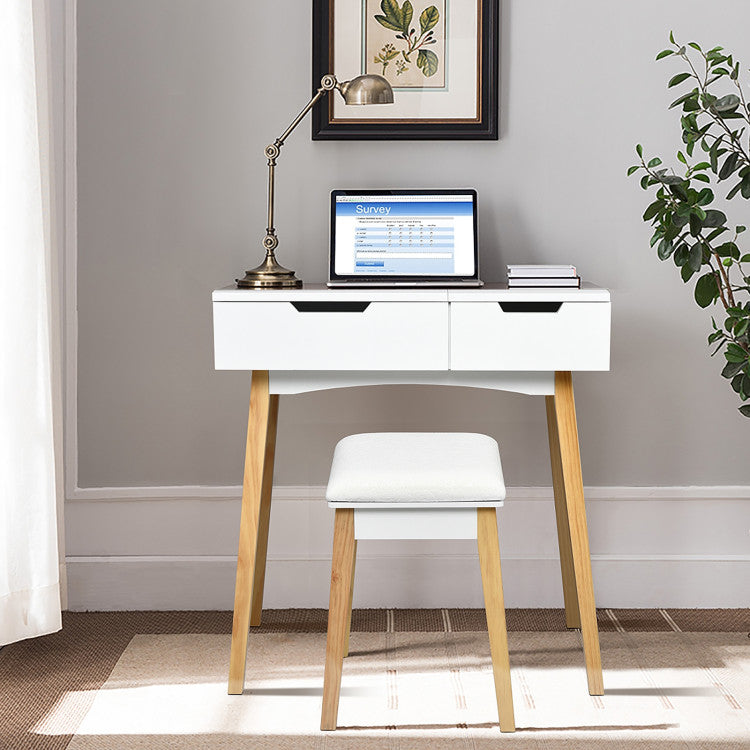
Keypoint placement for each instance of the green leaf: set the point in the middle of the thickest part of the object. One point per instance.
(745, 410)
(695, 224)
(713, 155)
(653, 210)
(680, 219)
(684, 98)
(664, 53)
(633, 169)
(715, 218)
(706, 289)
(678, 79)
(746, 186)
(727, 103)
(702, 177)
(383, 21)
(681, 255)
(681, 157)
(665, 249)
(686, 272)
(655, 162)
(671, 179)
(429, 18)
(731, 369)
(639, 150)
(427, 60)
(735, 353)
(736, 189)
(695, 257)
(728, 167)
(705, 197)
(407, 11)
(694, 45)
(671, 37)
(392, 12)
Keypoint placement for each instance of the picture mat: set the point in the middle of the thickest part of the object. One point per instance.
(457, 102)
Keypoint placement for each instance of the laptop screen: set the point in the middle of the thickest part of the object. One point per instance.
(403, 234)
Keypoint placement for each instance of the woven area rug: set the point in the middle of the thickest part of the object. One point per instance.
(420, 690)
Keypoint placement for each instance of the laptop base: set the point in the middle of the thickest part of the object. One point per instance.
(416, 284)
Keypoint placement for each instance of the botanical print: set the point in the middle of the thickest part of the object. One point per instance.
(405, 42)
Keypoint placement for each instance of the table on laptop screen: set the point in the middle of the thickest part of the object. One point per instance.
(404, 235)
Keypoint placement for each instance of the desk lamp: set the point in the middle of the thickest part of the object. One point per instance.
(367, 89)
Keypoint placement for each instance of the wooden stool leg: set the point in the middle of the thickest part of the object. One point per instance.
(492, 583)
(572, 616)
(570, 458)
(261, 426)
(338, 614)
(351, 599)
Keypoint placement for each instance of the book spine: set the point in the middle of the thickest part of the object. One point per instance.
(545, 282)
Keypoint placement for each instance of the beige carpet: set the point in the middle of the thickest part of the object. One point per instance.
(418, 690)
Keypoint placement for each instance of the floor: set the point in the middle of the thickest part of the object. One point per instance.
(49, 685)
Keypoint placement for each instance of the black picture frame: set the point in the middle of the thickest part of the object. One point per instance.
(483, 128)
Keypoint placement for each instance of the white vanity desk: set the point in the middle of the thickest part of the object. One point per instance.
(520, 340)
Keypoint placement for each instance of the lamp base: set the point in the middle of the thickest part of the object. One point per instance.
(269, 275)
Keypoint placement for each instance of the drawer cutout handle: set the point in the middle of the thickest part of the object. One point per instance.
(329, 307)
(530, 307)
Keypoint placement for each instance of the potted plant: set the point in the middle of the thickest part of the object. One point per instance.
(699, 240)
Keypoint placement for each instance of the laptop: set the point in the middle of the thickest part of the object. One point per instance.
(409, 238)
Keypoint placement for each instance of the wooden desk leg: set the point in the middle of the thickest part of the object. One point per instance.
(256, 503)
(572, 616)
(264, 516)
(572, 481)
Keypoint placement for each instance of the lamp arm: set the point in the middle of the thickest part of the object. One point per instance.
(272, 151)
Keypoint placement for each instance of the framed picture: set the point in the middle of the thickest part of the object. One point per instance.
(440, 57)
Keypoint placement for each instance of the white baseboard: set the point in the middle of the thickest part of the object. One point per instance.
(401, 581)
(174, 548)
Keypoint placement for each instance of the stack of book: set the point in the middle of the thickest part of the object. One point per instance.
(544, 276)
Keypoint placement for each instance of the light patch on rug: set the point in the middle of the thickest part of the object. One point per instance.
(413, 691)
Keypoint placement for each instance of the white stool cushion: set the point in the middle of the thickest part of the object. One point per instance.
(416, 467)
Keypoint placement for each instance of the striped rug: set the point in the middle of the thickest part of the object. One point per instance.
(415, 679)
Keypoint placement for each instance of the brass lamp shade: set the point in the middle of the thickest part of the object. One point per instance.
(369, 89)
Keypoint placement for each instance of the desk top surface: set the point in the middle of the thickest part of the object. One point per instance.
(488, 293)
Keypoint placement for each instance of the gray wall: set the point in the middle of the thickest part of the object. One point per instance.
(176, 99)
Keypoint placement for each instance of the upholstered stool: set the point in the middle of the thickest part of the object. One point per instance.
(408, 485)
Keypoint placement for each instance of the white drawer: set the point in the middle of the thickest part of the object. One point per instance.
(325, 335)
(530, 335)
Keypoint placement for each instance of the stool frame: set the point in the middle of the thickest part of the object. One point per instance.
(372, 523)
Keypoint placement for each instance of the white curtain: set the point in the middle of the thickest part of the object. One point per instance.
(29, 566)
